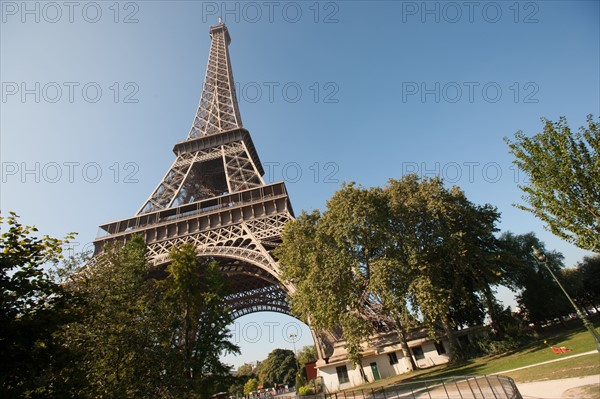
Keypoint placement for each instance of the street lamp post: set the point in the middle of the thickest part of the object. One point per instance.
(540, 256)
(293, 337)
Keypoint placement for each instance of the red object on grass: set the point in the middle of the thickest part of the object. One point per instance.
(560, 350)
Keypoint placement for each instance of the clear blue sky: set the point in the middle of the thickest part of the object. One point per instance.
(386, 88)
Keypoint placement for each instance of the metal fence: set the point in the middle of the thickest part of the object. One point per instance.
(479, 387)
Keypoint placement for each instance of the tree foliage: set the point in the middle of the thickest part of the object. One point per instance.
(442, 255)
(196, 292)
(307, 354)
(114, 326)
(236, 389)
(148, 332)
(33, 309)
(589, 274)
(250, 386)
(123, 337)
(411, 250)
(280, 367)
(563, 168)
(538, 296)
(583, 283)
(328, 290)
(245, 370)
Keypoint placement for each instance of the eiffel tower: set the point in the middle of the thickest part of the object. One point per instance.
(214, 196)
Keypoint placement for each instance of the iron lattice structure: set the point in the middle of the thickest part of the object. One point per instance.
(214, 196)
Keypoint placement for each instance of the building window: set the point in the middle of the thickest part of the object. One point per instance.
(393, 358)
(342, 373)
(418, 352)
(439, 346)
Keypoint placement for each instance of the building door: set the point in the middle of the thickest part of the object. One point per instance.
(375, 371)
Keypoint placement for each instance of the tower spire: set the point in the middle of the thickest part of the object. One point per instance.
(218, 156)
(218, 109)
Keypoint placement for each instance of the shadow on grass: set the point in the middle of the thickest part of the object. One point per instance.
(468, 367)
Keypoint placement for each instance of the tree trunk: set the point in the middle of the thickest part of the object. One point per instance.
(406, 352)
(455, 348)
(362, 373)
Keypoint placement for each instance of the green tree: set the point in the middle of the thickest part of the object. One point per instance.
(589, 270)
(538, 296)
(307, 354)
(33, 309)
(245, 370)
(243, 374)
(441, 256)
(124, 338)
(150, 332)
(196, 291)
(563, 168)
(323, 251)
(236, 389)
(280, 367)
(413, 247)
(583, 282)
(250, 386)
(573, 284)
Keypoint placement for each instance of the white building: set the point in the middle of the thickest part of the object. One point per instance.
(380, 360)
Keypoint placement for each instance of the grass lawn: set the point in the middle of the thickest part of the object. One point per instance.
(577, 367)
(578, 340)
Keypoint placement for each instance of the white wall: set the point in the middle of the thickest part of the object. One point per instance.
(330, 378)
(383, 365)
(431, 356)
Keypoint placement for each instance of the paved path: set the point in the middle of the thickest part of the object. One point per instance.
(554, 389)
